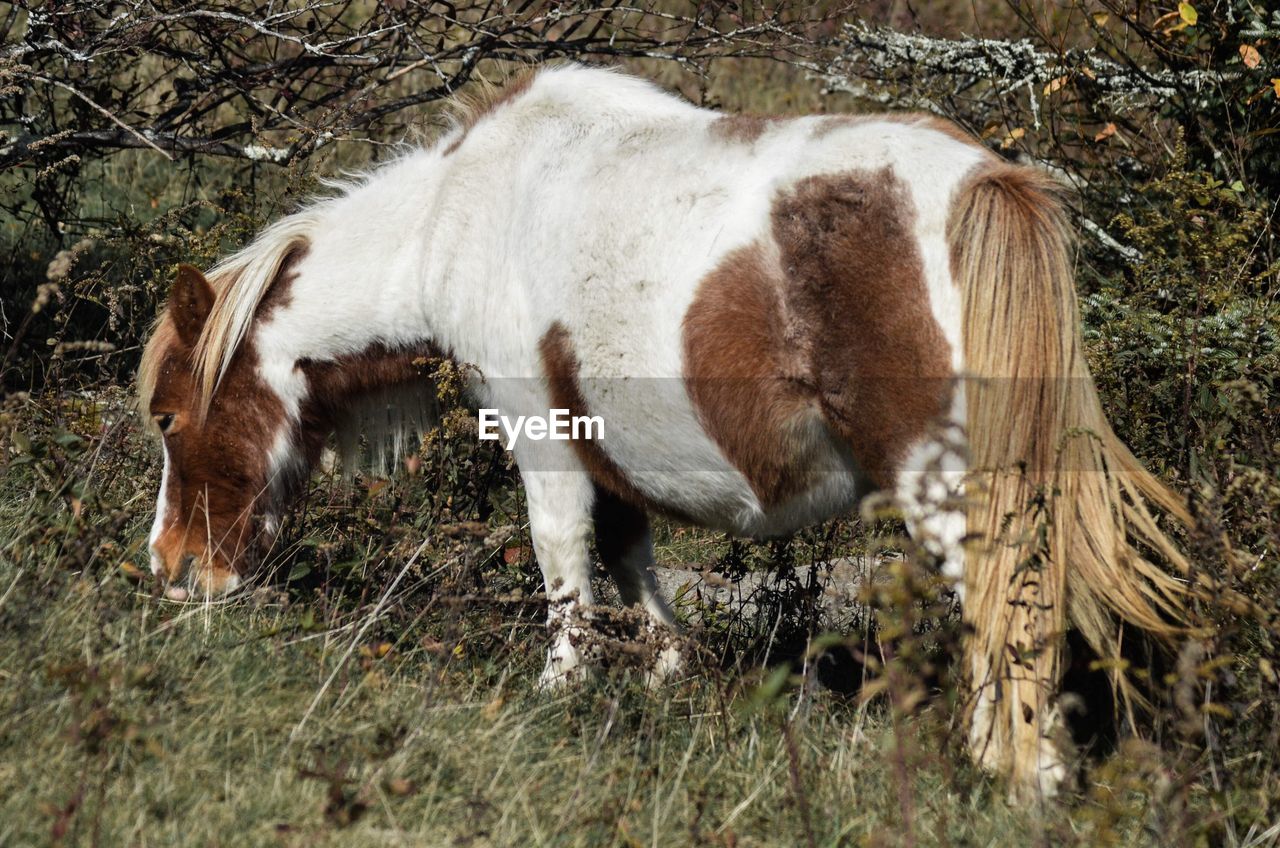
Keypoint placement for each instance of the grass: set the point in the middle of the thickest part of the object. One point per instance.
(309, 713)
(132, 720)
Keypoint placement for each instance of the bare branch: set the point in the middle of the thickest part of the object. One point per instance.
(270, 82)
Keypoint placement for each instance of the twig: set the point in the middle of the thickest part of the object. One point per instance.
(105, 112)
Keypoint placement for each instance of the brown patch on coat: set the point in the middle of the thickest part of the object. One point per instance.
(856, 290)
(471, 110)
(560, 365)
(743, 129)
(748, 388)
(841, 320)
(334, 386)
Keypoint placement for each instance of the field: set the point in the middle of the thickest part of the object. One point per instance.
(334, 705)
(377, 683)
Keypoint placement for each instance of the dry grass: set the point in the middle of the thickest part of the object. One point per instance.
(135, 721)
(132, 720)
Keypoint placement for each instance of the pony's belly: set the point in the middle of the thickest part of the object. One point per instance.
(834, 493)
(718, 496)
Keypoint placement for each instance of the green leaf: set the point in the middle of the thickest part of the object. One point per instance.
(1188, 13)
(773, 685)
(67, 440)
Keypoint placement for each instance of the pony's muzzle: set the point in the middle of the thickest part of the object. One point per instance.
(194, 576)
(180, 586)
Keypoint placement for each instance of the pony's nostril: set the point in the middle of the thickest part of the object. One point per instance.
(186, 571)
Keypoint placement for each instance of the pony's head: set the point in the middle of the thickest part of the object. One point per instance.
(219, 491)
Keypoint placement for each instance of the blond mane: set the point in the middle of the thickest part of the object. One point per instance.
(162, 335)
(239, 283)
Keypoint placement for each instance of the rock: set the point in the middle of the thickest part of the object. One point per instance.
(694, 591)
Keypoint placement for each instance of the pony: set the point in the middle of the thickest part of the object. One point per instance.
(774, 317)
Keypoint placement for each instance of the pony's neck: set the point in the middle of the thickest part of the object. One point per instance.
(357, 308)
(350, 337)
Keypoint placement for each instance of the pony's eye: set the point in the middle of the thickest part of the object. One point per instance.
(163, 421)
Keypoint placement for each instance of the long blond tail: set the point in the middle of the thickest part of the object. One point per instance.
(1060, 505)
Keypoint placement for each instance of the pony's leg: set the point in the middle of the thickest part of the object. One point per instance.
(1014, 656)
(929, 491)
(626, 549)
(560, 525)
(1014, 723)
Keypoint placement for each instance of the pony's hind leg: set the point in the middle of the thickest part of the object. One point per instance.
(626, 550)
(560, 526)
(930, 492)
(1014, 724)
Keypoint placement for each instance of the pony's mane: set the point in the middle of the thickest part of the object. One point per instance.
(162, 335)
(240, 282)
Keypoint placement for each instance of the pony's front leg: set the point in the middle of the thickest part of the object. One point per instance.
(626, 550)
(560, 525)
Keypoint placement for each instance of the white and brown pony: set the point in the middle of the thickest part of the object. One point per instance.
(773, 317)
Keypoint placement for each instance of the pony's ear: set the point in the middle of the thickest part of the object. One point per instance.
(190, 303)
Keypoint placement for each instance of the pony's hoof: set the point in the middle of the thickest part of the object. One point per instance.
(564, 667)
(668, 666)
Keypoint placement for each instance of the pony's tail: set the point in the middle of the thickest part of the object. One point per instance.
(1059, 507)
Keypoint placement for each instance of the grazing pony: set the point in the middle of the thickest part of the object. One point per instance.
(772, 317)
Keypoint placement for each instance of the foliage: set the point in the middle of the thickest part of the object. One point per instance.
(1190, 325)
(133, 717)
(1100, 93)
